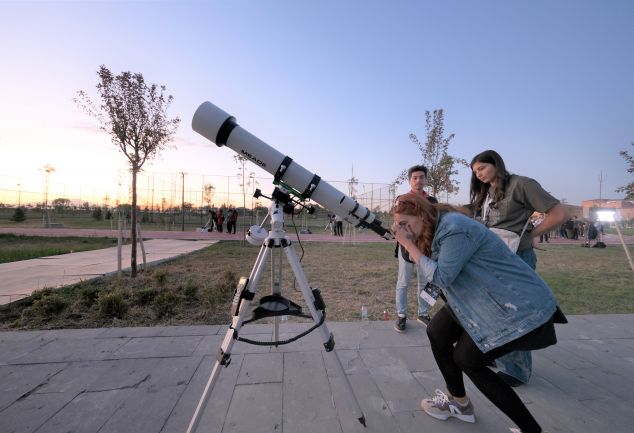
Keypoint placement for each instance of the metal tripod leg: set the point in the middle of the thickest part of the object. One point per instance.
(223, 357)
(328, 338)
(250, 288)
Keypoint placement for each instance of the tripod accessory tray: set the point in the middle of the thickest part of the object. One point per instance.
(277, 305)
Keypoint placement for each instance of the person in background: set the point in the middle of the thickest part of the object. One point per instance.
(416, 177)
(592, 232)
(220, 218)
(212, 220)
(228, 217)
(506, 201)
(575, 227)
(338, 226)
(562, 231)
(544, 236)
(494, 304)
(233, 220)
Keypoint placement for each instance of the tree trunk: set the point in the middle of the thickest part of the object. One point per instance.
(133, 233)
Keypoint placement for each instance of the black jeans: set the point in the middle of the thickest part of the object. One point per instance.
(444, 331)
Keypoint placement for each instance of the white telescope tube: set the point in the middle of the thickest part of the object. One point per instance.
(221, 128)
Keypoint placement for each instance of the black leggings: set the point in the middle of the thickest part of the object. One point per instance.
(444, 330)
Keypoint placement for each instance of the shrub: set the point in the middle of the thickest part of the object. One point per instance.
(50, 305)
(160, 276)
(165, 304)
(113, 305)
(19, 215)
(39, 294)
(145, 296)
(228, 281)
(190, 290)
(88, 295)
(221, 290)
(97, 214)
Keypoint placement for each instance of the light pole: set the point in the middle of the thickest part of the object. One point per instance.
(183, 201)
(48, 169)
(19, 194)
(252, 182)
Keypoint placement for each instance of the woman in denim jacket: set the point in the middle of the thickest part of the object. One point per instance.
(495, 304)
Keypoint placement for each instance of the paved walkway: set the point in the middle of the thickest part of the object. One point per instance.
(149, 380)
(20, 279)
(141, 380)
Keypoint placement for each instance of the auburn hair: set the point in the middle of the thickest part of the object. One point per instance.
(416, 205)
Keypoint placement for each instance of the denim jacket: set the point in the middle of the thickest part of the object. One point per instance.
(495, 296)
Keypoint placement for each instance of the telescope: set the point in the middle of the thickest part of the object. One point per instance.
(222, 129)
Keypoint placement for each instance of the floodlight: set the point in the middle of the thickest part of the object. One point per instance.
(606, 215)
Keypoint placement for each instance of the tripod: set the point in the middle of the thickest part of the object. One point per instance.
(274, 305)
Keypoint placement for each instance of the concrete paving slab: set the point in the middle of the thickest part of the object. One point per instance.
(255, 408)
(214, 417)
(89, 381)
(307, 395)
(261, 368)
(143, 410)
(28, 415)
(18, 382)
(20, 279)
(87, 412)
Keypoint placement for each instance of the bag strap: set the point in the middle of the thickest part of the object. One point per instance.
(525, 227)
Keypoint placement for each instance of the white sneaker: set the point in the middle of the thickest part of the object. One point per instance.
(442, 407)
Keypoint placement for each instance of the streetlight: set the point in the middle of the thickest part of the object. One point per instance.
(19, 194)
(183, 201)
(610, 215)
(252, 182)
(48, 169)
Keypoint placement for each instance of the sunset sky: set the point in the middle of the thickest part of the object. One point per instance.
(336, 85)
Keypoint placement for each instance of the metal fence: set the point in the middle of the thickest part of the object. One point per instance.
(167, 192)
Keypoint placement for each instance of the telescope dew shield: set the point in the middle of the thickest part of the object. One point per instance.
(221, 128)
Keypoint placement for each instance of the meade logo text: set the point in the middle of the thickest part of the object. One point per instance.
(253, 158)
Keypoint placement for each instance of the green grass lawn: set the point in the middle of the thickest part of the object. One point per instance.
(589, 280)
(14, 248)
(197, 288)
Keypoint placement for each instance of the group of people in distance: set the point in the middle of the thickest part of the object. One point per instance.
(335, 223)
(217, 219)
(480, 260)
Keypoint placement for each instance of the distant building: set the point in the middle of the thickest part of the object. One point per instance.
(625, 208)
(573, 210)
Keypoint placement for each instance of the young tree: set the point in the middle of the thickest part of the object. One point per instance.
(19, 215)
(135, 115)
(441, 166)
(629, 188)
(61, 203)
(208, 194)
(241, 161)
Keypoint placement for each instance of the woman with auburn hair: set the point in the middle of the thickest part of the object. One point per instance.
(494, 304)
